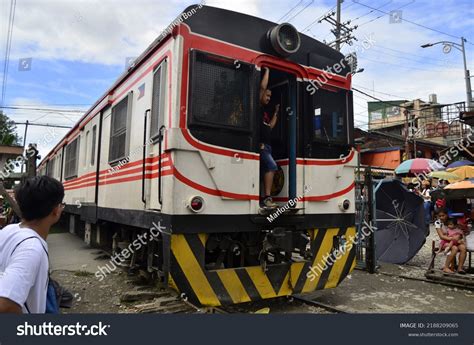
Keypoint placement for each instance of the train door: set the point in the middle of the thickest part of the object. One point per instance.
(155, 163)
(284, 135)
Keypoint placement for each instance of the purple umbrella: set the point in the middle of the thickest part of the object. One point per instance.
(458, 164)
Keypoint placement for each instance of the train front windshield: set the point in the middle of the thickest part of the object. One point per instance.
(330, 114)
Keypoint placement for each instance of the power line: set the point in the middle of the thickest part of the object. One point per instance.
(291, 9)
(360, 105)
(313, 23)
(347, 22)
(396, 9)
(318, 20)
(42, 125)
(383, 93)
(409, 53)
(45, 109)
(352, 20)
(411, 59)
(341, 31)
(376, 98)
(11, 20)
(403, 66)
(304, 8)
(371, 11)
(408, 21)
(50, 104)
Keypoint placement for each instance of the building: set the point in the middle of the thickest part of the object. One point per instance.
(419, 120)
(384, 150)
(8, 156)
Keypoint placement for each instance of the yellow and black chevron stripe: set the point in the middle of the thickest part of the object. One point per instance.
(244, 284)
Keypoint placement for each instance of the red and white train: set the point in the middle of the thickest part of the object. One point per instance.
(176, 139)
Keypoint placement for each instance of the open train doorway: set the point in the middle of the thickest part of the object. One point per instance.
(283, 135)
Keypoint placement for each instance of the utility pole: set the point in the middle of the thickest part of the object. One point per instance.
(466, 76)
(31, 161)
(407, 144)
(342, 31)
(24, 141)
(338, 25)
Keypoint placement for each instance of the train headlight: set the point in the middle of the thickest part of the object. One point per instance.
(196, 204)
(284, 39)
(344, 205)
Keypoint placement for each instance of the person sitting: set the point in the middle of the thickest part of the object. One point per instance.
(441, 226)
(455, 233)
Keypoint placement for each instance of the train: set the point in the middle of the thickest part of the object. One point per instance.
(174, 142)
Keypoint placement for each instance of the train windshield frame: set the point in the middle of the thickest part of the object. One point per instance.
(222, 92)
(330, 116)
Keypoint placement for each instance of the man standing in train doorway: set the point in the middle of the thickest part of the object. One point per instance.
(267, 163)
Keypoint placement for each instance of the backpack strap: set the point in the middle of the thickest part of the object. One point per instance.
(47, 254)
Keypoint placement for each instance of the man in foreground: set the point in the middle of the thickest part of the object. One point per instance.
(23, 249)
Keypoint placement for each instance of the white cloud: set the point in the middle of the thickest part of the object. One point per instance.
(89, 31)
(244, 6)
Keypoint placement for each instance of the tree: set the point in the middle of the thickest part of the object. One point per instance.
(8, 135)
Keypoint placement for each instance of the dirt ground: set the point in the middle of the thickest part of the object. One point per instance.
(393, 289)
(92, 296)
(74, 265)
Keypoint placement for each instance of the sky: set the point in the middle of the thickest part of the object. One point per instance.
(79, 48)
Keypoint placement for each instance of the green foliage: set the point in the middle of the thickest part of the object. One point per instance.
(8, 135)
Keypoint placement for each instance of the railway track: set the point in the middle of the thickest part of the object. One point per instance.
(163, 302)
(169, 302)
(281, 305)
(319, 304)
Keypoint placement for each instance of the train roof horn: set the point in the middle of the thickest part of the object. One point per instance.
(284, 39)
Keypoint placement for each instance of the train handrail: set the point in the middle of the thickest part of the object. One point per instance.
(160, 140)
(144, 155)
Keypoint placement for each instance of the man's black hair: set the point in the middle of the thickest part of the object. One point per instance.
(38, 196)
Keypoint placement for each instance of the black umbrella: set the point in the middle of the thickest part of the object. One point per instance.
(401, 229)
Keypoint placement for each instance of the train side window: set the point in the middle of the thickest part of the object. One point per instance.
(158, 101)
(50, 168)
(94, 139)
(221, 92)
(58, 165)
(72, 151)
(86, 148)
(119, 136)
